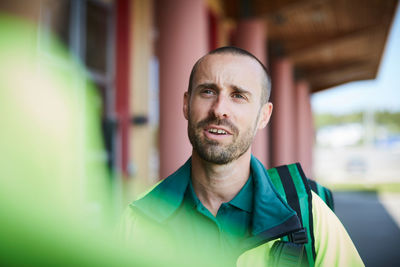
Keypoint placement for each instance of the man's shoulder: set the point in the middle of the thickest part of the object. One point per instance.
(161, 200)
(145, 193)
(332, 242)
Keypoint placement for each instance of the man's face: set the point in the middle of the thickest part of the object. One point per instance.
(224, 109)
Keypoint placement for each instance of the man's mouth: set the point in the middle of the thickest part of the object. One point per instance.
(217, 131)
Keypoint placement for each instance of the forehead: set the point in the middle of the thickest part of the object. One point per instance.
(229, 69)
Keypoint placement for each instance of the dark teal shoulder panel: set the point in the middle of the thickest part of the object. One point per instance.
(270, 210)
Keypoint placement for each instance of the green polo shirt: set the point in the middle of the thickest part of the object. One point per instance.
(254, 216)
(223, 234)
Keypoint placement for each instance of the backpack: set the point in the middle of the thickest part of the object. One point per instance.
(298, 248)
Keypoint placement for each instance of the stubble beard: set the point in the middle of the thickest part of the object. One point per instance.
(214, 152)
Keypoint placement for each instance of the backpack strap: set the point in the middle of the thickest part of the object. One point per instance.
(325, 193)
(292, 185)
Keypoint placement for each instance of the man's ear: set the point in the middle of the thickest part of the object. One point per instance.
(265, 115)
(186, 99)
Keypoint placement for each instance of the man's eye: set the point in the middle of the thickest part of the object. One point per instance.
(238, 96)
(207, 92)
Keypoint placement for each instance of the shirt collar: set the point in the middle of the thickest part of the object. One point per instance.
(244, 199)
(191, 196)
(161, 202)
(272, 216)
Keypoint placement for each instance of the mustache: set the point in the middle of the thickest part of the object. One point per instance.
(212, 119)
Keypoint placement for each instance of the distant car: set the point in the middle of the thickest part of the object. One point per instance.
(356, 165)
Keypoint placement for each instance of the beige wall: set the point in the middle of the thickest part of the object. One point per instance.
(143, 137)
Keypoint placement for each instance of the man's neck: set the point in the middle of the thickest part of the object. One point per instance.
(215, 184)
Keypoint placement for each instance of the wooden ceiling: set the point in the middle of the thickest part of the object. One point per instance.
(330, 42)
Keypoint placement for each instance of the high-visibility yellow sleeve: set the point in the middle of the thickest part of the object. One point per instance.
(333, 245)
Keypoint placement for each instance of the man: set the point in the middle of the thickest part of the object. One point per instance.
(220, 206)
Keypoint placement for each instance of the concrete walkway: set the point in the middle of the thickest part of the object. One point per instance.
(372, 229)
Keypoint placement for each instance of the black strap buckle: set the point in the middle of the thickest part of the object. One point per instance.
(299, 237)
(287, 254)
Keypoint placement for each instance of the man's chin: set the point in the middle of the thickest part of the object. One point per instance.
(220, 157)
(217, 160)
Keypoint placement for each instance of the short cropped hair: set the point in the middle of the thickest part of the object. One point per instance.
(266, 86)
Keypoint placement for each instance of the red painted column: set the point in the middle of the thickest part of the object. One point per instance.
(182, 28)
(212, 29)
(122, 105)
(251, 36)
(305, 128)
(283, 127)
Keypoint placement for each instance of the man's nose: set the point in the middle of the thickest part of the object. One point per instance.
(220, 107)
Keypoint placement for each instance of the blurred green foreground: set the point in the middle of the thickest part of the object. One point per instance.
(54, 200)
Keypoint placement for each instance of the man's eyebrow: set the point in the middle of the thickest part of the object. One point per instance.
(241, 90)
(207, 85)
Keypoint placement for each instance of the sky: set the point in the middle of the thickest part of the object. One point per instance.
(383, 93)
